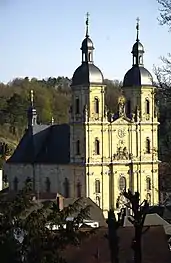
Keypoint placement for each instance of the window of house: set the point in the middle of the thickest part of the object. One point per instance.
(147, 106)
(97, 146)
(15, 184)
(77, 106)
(147, 145)
(78, 147)
(98, 200)
(122, 183)
(96, 105)
(97, 186)
(66, 188)
(47, 185)
(148, 181)
(79, 189)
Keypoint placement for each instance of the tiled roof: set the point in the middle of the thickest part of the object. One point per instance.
(44, 144)
(95, 249)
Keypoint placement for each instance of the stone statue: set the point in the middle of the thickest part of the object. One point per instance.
(121, 106)
(121, 154)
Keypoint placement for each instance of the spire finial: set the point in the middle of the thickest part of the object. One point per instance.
(87, 24)
(31, 97)
(137, 28)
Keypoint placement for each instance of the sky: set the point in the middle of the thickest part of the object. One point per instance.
(42, 38)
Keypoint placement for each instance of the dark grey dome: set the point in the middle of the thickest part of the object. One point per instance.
(138, 76)
(87, 44)
(87, 73)
(137, 47)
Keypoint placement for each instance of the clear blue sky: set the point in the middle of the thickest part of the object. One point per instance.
(42, 38)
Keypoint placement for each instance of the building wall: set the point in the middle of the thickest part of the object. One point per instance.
(55, 173)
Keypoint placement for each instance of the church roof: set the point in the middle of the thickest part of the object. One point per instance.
(45, 144)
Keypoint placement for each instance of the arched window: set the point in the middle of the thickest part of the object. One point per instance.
(79, 189)
(128, 107)
(28, 182)
(97, 146)
(140, 60)
(98, 200)
(96, 105)
(147, 106)
(66, 188)
(15, 184)
(89, 56)
(148, 182)
(122, 183)
(97, 186)
(77, 106)
(78, 147)
(149, 198)
(147, 145)
(47, 185)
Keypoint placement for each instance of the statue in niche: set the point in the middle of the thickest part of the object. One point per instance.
(138, 114)
(86, 111)
(121, 154)
(121, 105)
(133, 117)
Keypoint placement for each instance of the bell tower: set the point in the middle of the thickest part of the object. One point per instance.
(139, 91)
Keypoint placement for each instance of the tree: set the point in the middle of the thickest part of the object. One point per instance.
(140, 211)
(26, 229)
(165, 12)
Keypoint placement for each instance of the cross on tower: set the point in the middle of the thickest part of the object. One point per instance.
(87, 24)
(137, 27)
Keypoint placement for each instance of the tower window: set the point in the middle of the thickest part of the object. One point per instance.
(89, 56)
(128, 107)
(96, 104)
(47, 184)
(148, 182)
(15, 184)
(97, 147)
(78, 147)
(66, 188)
(122, 183)
(147, 106)
(97, 186)
(147, 145)
(140, 60)
(77, 106)
(98, 200)
(79, 189)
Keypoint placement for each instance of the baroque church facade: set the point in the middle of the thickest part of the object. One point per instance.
(98, 154)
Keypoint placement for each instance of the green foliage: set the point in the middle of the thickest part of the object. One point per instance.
(26, 229)
(52, 98)
(139, 211)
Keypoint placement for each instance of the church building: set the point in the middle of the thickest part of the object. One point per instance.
(97, 154)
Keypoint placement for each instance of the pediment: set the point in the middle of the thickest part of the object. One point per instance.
(122, 121)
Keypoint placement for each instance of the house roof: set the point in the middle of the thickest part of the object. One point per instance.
(153, 220)
(95, 212)
(96, 249)
(44, 144)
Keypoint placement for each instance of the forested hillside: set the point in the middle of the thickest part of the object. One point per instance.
(51, 98)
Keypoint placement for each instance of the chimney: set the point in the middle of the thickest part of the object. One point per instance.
(60, 201)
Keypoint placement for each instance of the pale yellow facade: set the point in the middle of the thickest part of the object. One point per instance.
(123, 152)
